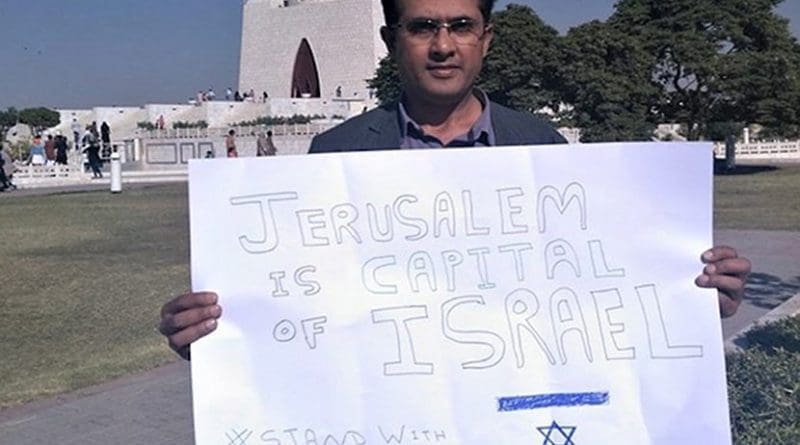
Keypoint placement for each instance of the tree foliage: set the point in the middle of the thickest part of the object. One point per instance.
(386, 82)
(710, 65)
(8, 118)
(522, 69)
(716, 61)
(39, 118)
(608, 85)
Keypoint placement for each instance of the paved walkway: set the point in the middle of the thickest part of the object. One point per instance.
(155, 407)
(149, 409)
(775, 277)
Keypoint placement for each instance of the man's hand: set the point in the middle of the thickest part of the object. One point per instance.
(188, 317)
(726, 271)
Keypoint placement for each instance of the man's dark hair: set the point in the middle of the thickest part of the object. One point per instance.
(391, 12)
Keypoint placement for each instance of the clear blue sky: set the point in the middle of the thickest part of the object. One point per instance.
(81, 53)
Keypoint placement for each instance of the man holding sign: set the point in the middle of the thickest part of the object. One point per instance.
(439, 46)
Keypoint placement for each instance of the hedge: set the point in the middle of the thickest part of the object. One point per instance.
(764, 385)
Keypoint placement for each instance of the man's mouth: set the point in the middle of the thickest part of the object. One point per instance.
(442, 70)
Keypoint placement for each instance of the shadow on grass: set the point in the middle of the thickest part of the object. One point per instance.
(768, 291)
(153, 247)
(719, 169)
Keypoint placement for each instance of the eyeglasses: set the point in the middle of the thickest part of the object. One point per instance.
(463, 31)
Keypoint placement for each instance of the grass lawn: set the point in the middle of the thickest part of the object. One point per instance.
(83, 275)
(758, 198)
(83, 278)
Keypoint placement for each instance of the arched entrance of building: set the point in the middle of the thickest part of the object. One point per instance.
(305, 77)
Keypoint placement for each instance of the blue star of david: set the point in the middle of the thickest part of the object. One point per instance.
(556, 434)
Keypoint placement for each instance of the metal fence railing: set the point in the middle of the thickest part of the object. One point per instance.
(772, 150)
(244, 130)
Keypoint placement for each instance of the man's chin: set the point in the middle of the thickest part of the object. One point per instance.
(445, 95)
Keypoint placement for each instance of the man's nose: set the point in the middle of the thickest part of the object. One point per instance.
(442, 45)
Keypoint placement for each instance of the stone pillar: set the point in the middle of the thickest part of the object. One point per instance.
(730, 152)
(116, 173)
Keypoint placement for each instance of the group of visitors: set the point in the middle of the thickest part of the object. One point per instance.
(230, 95)
(247, 96)
(54, 149)
(205, 96)
(96, 144)
(50, 152)
(264, 144)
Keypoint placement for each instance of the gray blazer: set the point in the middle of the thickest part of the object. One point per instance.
(379, 129)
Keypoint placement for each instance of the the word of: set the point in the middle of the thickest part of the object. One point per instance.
(286, 330)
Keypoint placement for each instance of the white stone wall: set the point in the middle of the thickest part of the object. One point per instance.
(343, 36)
(224, 113)
(84, 117)
(121, 120)
(310, 107)
(173, 113)
(174, 154)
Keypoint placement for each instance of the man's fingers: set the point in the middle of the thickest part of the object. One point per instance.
(188, 301)
(733, 266)
(731, 291)
(181, 339)
(727, 284)
(718, 253)
(726, 271)
(172, 323)
(188, 317)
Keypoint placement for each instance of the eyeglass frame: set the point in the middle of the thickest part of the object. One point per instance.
(447, 24)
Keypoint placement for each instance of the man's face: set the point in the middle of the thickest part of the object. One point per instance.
(443, 66)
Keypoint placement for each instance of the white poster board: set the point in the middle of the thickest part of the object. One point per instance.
(524, 295)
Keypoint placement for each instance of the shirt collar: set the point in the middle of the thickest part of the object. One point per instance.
(481, 132)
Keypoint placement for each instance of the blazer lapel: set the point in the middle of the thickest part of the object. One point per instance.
(504, 133)
(384, 130)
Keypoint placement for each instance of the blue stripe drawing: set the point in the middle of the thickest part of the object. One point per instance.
(519, 403)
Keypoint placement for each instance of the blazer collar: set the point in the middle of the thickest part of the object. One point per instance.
(384, 130)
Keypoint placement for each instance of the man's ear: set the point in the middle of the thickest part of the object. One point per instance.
(387, 35)
(487, 38)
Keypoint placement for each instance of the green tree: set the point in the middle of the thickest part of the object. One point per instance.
(39, 118)
(608, 84)
(522, 69)
(8, 119)
(719, 131)
(386, 82)
(717, 60)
